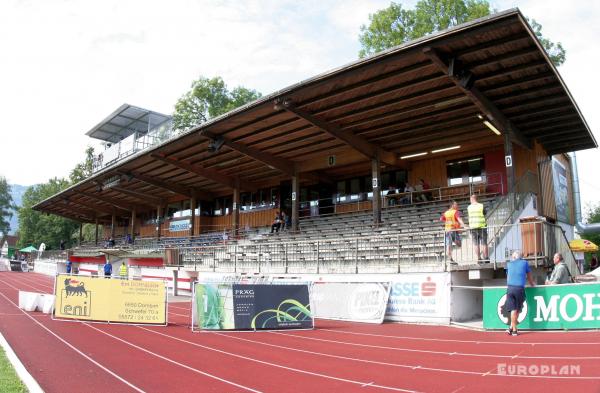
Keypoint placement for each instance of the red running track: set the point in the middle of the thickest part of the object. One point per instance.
(336, 357)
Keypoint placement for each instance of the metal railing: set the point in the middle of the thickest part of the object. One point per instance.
(383, 253)
(133, 144)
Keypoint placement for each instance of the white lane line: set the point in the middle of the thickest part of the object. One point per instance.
(172, 361)
(181, 315)
(462, 341)
(77, 350)
(413, 367)
(367, 385)
(35, 281)
(274, 364)
(400, 349)
(28, 380)
(181, 308)
(22, 283)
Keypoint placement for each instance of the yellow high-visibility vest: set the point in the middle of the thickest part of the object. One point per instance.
(450, 221)
(476, 216)
(123, 271)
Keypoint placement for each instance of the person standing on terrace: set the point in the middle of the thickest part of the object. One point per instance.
(452, 224)
(478, 226)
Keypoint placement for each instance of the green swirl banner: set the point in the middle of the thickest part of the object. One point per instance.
(239, 306)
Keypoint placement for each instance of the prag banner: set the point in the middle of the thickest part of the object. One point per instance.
(567, 306)
(350, 301)
(223, 306)
(110, 300)
(420, 297)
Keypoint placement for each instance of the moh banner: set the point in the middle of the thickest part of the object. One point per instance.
(248, 306)
(420, 297)
(350, 301)
(110, 300)
(567, 306)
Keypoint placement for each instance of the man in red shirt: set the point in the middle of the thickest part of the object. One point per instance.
(452, 224)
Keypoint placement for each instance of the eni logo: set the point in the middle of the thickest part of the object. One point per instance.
(75, 299)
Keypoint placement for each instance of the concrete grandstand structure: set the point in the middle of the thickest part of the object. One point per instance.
(478, 108)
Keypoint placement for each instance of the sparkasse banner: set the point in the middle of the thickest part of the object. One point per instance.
(567, 306)
(419, 297)
(110, 300)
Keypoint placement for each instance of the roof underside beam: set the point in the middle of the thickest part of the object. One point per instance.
(207, 173)
(97, 208)
(358, 143)
(139, 195)
(464, 80)
(281, 164)
(169, 186)
(114, 202)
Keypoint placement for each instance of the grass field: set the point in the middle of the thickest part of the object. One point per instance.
(9, 381)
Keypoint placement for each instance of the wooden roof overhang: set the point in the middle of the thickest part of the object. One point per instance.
(428, 94)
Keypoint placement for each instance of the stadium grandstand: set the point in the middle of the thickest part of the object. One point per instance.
(364, 159)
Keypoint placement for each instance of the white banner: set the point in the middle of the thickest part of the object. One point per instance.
(350, 301)
(420, 297)
(179, 225)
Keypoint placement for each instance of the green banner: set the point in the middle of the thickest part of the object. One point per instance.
(569, 306)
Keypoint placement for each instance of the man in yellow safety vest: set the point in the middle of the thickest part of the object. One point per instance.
(478, 227)
(123, 271)
(452, 224)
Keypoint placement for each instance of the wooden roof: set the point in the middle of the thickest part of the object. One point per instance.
(427, 94)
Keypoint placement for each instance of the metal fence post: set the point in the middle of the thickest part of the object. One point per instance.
(398, 257)
(318, 263)
(356, 246)
(214, 259)
(285, 256)
(235, 256)
(258, 257)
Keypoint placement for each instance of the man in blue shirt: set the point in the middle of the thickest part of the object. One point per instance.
(517, 271)
(107, 269)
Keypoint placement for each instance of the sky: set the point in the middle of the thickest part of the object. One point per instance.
(65, 65)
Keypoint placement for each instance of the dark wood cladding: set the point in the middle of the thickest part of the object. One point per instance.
(398, 101)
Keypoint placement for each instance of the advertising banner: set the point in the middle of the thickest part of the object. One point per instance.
(559, 177)
(419, 297)
(350, 301)
(222, 306)
(179, 225)
(110, 300)
(568, 306)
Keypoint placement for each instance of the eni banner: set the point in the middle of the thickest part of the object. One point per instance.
(350, 301)
(222, 306)
(110, 300)
(567, 306)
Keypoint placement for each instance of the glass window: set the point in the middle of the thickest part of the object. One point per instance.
(465, 171)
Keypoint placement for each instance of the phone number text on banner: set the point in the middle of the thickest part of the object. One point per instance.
(233, 306)
(110, 300)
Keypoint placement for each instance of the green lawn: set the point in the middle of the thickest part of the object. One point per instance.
(9, 381)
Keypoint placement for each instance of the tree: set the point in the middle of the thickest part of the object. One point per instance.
(209, 98)
(36, 227)
(6, 204)
(83, 170)
(592, 217)
(394, 25)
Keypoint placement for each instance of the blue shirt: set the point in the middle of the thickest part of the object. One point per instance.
(107, 268)
(517, 272)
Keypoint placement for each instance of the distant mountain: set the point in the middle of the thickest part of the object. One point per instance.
(16, 191)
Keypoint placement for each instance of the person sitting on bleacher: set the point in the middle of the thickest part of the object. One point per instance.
(406, 199)
(276, 225)
(391, 194)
